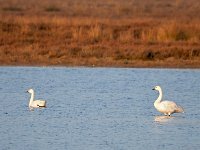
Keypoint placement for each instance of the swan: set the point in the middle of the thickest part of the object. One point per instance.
(166, 107)
(35, 103)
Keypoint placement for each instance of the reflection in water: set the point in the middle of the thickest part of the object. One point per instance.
(163, 119)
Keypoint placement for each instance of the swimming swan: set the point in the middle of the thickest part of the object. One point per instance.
(35, 103)
(166, 107)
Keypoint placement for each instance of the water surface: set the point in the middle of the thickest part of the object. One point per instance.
(98, 109)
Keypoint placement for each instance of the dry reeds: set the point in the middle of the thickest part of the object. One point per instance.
(51, 35)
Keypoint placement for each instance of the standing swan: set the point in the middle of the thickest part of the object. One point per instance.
(166, 107)
(35, 103)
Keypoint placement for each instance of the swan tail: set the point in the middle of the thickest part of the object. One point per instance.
(179, 110)
(44, 104)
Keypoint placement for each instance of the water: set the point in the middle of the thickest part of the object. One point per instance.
(98, 109)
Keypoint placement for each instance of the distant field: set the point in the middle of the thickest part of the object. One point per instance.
(118, 33)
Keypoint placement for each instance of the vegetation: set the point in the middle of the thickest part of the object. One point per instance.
(132, 33)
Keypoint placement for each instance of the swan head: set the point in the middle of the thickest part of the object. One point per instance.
(30, 91)
(157, 88)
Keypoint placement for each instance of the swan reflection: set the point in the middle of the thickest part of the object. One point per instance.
(163, 119)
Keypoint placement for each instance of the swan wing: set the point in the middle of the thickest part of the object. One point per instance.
(169, 106)
(40, 103)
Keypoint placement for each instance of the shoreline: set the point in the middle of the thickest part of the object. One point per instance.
(153, 66)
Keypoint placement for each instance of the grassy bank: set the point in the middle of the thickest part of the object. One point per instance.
(100, 33)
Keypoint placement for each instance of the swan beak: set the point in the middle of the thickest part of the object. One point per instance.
(153, 89)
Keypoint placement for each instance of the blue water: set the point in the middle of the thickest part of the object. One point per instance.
(98, 109)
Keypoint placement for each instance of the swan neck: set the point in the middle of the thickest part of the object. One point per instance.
(31, 99)
(159, 97)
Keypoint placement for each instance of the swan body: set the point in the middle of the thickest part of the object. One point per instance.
(35, 103)
(166, 107)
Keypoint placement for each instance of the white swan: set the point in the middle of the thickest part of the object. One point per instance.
(35, 103)
(166, 107)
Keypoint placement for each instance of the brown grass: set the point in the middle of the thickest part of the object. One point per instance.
(100, 33)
